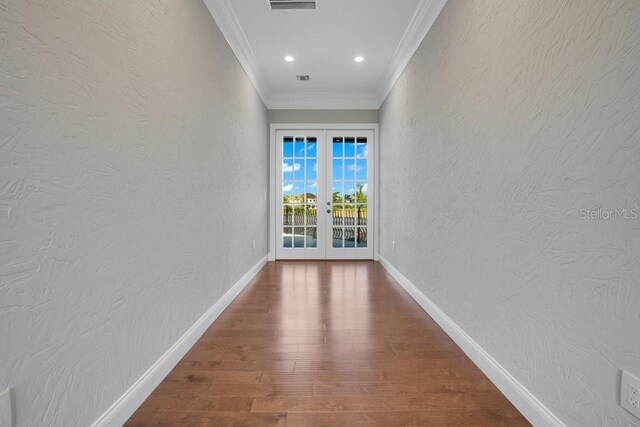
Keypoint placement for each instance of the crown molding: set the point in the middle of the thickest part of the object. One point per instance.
(420, 24)
(229, 25)
(323, 101)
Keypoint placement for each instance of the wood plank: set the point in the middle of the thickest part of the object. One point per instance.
(198, 403)
(231, 365)
(183, 374)
(473, 418)
(216, 419)
(390, 403)
(394, 389)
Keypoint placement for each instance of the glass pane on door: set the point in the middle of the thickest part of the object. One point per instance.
(350, 189)
(299, 192)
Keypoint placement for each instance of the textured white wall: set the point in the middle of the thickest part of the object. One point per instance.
(323, 116)
(512, 117)
(133, 164)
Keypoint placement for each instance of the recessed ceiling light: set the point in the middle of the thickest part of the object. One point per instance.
(289, 58)
(358, 59)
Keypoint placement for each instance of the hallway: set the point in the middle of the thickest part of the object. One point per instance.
(325, 344)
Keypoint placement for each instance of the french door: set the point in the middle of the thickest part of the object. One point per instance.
(324, 179)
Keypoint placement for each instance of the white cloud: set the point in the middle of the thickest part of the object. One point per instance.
(364, 188)
(352, 167)
(287, 187)
(290, 168)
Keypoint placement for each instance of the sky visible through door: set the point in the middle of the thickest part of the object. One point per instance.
(349, 192)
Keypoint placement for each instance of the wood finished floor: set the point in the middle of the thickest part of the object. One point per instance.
(314, 343)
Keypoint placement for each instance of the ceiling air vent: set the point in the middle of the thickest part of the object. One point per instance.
(302, 78)
(293, 4)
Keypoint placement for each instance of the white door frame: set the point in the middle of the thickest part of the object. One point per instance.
(323, 127)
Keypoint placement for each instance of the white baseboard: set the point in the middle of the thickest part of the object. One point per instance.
(527, 403)
(127, 404)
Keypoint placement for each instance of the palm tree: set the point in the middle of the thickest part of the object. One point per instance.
(360, 196)
(361, 199)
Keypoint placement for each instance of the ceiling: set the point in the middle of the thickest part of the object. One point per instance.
(324, 44)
